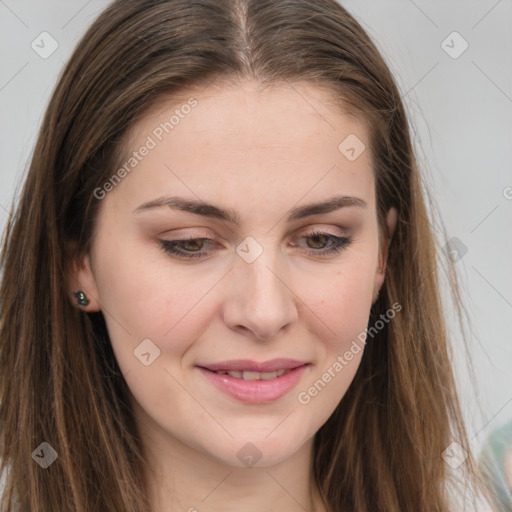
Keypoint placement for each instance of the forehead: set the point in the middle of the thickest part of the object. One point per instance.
(244, 112)
(244, 141)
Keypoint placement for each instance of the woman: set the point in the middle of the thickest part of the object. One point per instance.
(220, 286)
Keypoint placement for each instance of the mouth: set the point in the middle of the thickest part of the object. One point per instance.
(251, 375)
(253, 382)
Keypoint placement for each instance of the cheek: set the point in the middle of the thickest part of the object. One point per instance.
(340, 306)
(143, 297)
(342, 300)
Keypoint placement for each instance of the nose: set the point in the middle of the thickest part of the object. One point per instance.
(261, 302)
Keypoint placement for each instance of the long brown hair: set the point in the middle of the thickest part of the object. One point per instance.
(381, 450)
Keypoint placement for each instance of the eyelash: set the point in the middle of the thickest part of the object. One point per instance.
(340, 243)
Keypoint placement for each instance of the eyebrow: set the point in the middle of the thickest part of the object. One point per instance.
(210, 210)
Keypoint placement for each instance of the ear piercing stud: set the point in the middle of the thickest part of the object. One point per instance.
(81, 298)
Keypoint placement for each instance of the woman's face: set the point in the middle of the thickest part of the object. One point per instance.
(256, 292)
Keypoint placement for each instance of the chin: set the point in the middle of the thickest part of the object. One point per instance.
(260, 452)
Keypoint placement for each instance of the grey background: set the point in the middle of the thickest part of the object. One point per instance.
(460, 110)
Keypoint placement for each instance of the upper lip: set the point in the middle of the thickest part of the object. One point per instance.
(254, 366)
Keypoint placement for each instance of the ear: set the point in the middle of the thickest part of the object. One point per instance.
(80, 277)
(391, 219)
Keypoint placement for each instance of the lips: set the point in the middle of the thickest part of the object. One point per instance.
(255, 382)
(254, 366)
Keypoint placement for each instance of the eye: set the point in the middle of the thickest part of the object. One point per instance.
(181, 247)
(191, 247)
(320, 238)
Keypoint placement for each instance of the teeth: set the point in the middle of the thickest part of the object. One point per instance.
(247, 375)
(250, 375)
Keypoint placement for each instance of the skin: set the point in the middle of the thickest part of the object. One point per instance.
(260, 153)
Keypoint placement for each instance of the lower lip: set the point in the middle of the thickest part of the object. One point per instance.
(256, 391)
